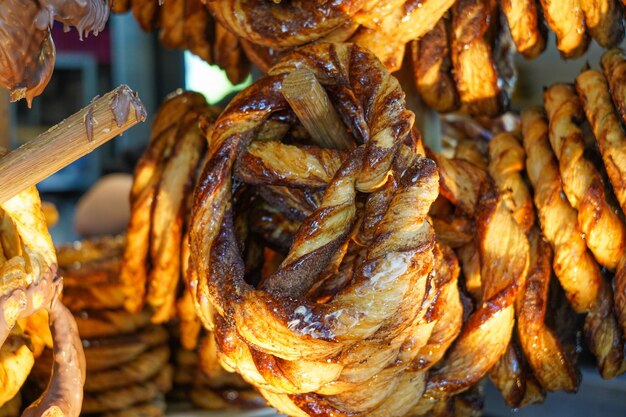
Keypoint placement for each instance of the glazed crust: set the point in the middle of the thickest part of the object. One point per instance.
(605, 233)
(567, 21)
(475, 72)
(432, 69)
(526, 26)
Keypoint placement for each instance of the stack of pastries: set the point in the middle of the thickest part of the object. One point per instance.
(388, 279)
(200, 380)
(127, 357)
(459, 51)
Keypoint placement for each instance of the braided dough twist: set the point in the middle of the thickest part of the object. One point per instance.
(574, 266)
(305, 356)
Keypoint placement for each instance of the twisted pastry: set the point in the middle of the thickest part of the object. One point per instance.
(285, 24)
(500, 242)
(400, 25)
(605, 233)
(122, 398)
(527, 29)
(594, 92)
(29, 285)
(573, 264)
(476, 74)
(431, 69)
(27, 53)
(394, 248)
(506, 162)
(605, 21)
(614, 66)
(144, 367)
(567, 21)
(158, 206)
(551, 364)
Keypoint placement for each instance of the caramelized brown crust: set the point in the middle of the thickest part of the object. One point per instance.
(469, 360)
(146, 187)
(605, 21)
(573, 264)
(229, 55)
(605, 233)
(167, 217)
(614, 66)
(506, 165)
(400, 25)
(593, 89)
(577, 271)
(473, 30)
(285, 24)
(551, 364)
(432, 69)
(594, 92)
(526, 26)
(567, 21)
(308, 336)
(514, 380)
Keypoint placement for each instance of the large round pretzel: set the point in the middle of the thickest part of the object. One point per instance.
(336, 328)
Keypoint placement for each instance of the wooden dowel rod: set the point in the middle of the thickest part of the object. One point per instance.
(64, 143)
(311, 104)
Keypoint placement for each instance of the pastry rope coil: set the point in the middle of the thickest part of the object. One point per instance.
(305, 355)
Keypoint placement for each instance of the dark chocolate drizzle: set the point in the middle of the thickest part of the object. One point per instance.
(123, 97)
(27, 51)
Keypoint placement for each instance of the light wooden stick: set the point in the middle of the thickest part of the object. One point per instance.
(311, 104)
(64, 143)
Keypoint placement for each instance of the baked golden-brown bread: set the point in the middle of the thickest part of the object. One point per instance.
(577, 271)
(552, 365)
(16, 361)
(467, 186)
(614, 66)
(526, 26)
(472, 50)
(142, 368)
(506, 167)
(605, 233)
(122, 398)
(567, 21)
(432, 69)
(151, 262)
(604, 20)
(594, 91)
(387, 39)
(290, 367)
(285, 24)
